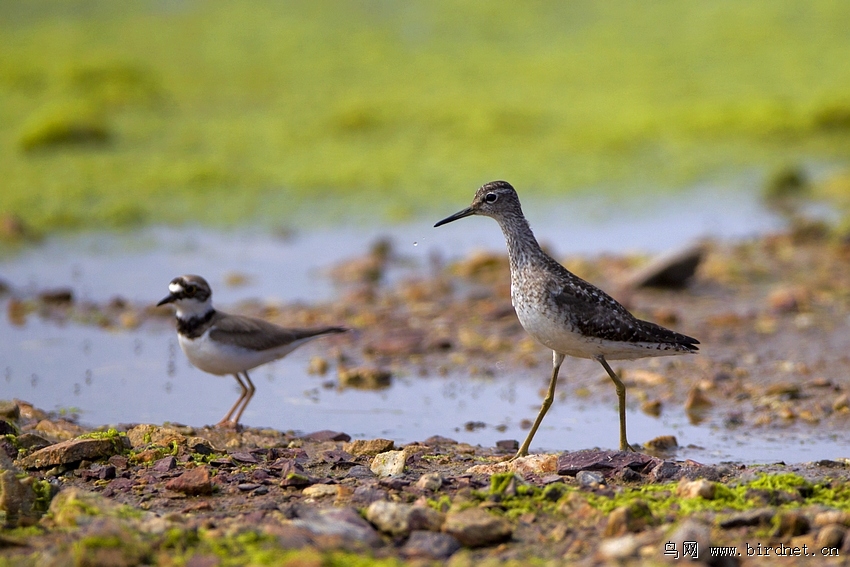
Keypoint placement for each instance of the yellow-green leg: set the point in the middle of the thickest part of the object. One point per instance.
(557, 359)
(621, 400)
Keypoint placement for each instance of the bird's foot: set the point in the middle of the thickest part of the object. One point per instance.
(228, 424)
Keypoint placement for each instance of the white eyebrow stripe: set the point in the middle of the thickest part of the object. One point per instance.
(175, 288)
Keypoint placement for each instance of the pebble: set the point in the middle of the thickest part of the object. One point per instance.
(531, 464)
(165, 464)
(399, 519)
(388, 463)
(9, 409)
(589, 479)
(430, 545)
(327, 435)
(628, 519)
(321, 490)
(791, 523)
(831, 535)
(762, 516)
(368, 446)
(432, 481)
(73, 451)
(343, 523)
(193, 482)
(700, 488)
(665, 470)
(247, 486)
(475, 527)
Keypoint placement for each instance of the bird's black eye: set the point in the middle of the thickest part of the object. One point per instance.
(191, 289)
(491, 197)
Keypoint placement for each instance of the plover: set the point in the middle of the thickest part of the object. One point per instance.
(564, 312)
(220, 343)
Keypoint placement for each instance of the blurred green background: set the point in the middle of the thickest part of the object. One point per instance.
(132, 112)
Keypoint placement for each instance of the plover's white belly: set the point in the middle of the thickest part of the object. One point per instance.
(219, 358)
(558, 336)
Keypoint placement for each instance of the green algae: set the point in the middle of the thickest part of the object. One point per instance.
(228, 110)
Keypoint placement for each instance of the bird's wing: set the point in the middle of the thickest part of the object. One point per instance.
(257, 334)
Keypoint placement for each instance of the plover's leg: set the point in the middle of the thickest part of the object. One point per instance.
(248, 395)
(227, 417)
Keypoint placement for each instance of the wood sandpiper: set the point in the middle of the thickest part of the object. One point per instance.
(564, 312)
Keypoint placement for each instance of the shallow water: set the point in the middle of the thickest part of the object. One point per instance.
(141, 376)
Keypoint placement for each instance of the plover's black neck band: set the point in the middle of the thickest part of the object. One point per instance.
(194, 327)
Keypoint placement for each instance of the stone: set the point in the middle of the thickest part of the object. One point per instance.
(399, 519)
(165, 464)
(321, 490)
(671, 270)
(368, 446)
(589, 479)
(432, 481)
(364, 378)
(619, 548)
(508, 445)
(475, 527)
(632, 518)
(144, 435)
(19, 499)
(388, 463)
(430, 545)
(759, 517)
(9, 409)
(666, 470)
(831, 535)
(193, 482)
(700, 488)
(338, 524)
(32, 442)
(832, 517)
(327, 435)
(74, 451)
(791, 523)
(691, 530)
(59, 430)
(531, 464)
(594, 460)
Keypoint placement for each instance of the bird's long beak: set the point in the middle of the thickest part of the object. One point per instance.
(458, 215)
(171, 297)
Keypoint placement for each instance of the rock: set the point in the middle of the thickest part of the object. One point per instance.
(193, 482)
(760, 517)
(23, 499)
(327, 435)
(9, 409)
(321, 490)
(398, 519)
(628, 519)
(508, 445)
(32, 442)
(201, 446)
(165, 464)
(662, 444)
(475, 527)
(430, 545)
(59, 430)
(368, 446)
(243, 457)
(666, 470)
(74, 451)
(432, 481)
(699, 488)
(145, 435)
(671, 270)
(692, 530)
(74, 507)
(697, 400)
(531, 464)
(831, 535)
(619, 548)
(336, 524)
(832, 517)
(389, 463)
(608, 462)
(292, 474)
(364, 378)
(791, 523)
(589, 479)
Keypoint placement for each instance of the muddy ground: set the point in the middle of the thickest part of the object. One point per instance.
(772, 318)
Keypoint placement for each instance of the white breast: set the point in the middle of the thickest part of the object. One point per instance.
(218, 358)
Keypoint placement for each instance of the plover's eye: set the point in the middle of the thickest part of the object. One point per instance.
(491, 197)
(191, 289)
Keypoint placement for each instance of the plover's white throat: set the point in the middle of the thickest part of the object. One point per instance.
(564, 312)
(220, 343)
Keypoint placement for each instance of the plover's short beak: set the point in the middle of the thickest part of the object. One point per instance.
(171, 297)
(458, 215)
